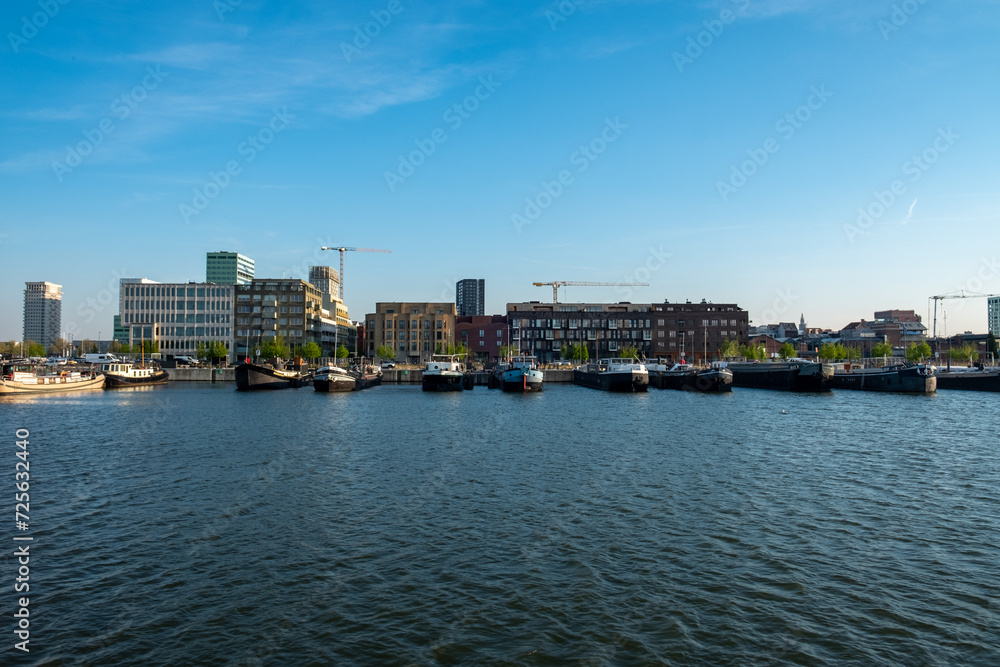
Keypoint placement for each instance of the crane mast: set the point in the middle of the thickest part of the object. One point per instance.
(960, 294)
(344, 249)
(556, 284)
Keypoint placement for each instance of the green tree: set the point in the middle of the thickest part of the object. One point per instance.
(882, 350)
(729, 348)
(312, 350)
(853, 353)
(216, 350)
(201, 350)
(150, 346)
(991, 343)
(124, 348)
(342, 352)
(385, 352)
(274, 347)
(33, 349)
(964, 353)
(918, 351)
(753, 352)
(575, 352)
(832, 352)
(787, 350)
(508, 351)
(629, 352)
(58, 347)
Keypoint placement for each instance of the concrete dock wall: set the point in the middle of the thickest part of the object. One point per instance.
(389, 376)
(202, 374)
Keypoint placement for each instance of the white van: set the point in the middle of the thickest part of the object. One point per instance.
(94, 358)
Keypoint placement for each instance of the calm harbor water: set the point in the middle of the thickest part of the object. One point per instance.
(194, 525)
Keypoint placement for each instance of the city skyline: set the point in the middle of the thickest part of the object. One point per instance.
(831, 159)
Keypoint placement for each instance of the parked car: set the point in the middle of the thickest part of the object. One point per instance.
(186, 360)
(388, 364)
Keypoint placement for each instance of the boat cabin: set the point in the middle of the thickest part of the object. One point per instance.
(122, 369)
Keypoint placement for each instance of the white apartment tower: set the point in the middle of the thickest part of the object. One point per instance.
(42, 312)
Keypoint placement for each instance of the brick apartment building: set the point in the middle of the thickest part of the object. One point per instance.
(413, 330)
(483, 335)
(695, 331)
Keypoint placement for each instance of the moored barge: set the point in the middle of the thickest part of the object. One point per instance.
(791, 375)
(978, 379)
(250, 377)
(620, 375)
(688, 378)
(906, 378)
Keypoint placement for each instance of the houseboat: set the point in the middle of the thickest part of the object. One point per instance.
(19, 378)
(125, 374)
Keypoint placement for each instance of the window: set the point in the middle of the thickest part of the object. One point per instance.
(482, 333)
(659, 323)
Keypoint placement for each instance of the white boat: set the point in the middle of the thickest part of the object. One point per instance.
(20, 378)
(443, 373)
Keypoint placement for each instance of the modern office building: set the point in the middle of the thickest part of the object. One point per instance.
(325, 279)
(414, 331)
(993, 316)
(42, 312)
(120, 331)
(290, 308)
(177, 316)
(228, 268)
(470, 297)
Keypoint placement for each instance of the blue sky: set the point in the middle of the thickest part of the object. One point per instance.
(717, 150)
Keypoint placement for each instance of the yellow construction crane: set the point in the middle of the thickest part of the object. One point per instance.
(556, 284)
(342, 251)
(960, 294)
